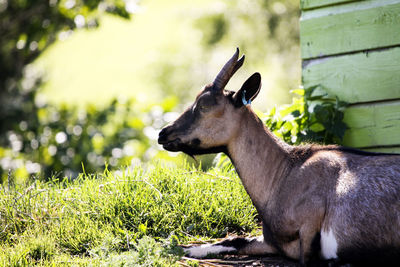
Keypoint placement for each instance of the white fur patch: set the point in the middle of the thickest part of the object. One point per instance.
(204, 250)
(329, 245)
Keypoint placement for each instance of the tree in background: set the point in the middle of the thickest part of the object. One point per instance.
(27, 28)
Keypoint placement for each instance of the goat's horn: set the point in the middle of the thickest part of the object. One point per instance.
(228, 70)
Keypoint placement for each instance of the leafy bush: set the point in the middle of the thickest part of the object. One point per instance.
(313, 117)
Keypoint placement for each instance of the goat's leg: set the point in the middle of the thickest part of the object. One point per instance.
(308, 235)
(235, 245)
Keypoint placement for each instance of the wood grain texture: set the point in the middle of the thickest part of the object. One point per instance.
(308, 4)
(359, 26)
(373, 125)
(354, 78)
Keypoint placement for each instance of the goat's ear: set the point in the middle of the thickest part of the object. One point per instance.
(249, 90)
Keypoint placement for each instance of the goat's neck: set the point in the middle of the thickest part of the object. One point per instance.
(259, 158)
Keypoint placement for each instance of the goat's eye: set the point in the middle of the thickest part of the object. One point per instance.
(202, 107)
(204, 103)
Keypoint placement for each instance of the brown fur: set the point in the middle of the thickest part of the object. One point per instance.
(297, 191)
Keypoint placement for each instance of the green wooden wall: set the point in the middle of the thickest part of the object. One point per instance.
(351, 48)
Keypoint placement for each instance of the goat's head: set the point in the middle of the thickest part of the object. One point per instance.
(214, 118)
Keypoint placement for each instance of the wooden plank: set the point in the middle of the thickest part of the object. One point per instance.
(394, 149)
(309, 4)
(373, 125)
(361, 77)
(360, 26)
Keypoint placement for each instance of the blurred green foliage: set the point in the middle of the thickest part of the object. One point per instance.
(266, 31)
(246, 23)
(27, 28)
(66, 140)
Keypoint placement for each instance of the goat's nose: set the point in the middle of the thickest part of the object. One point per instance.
(162, 136)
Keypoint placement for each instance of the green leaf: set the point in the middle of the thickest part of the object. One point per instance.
(317, 127)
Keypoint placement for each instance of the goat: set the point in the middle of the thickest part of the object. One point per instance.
(315, 202)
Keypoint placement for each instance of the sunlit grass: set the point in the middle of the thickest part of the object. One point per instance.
(115, 216)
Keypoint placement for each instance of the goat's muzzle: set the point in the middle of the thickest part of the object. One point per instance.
(168, 143)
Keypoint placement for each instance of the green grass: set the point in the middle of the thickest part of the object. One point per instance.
(130, 217)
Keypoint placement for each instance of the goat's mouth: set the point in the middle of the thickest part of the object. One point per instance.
(192, 148)
(171, 145)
